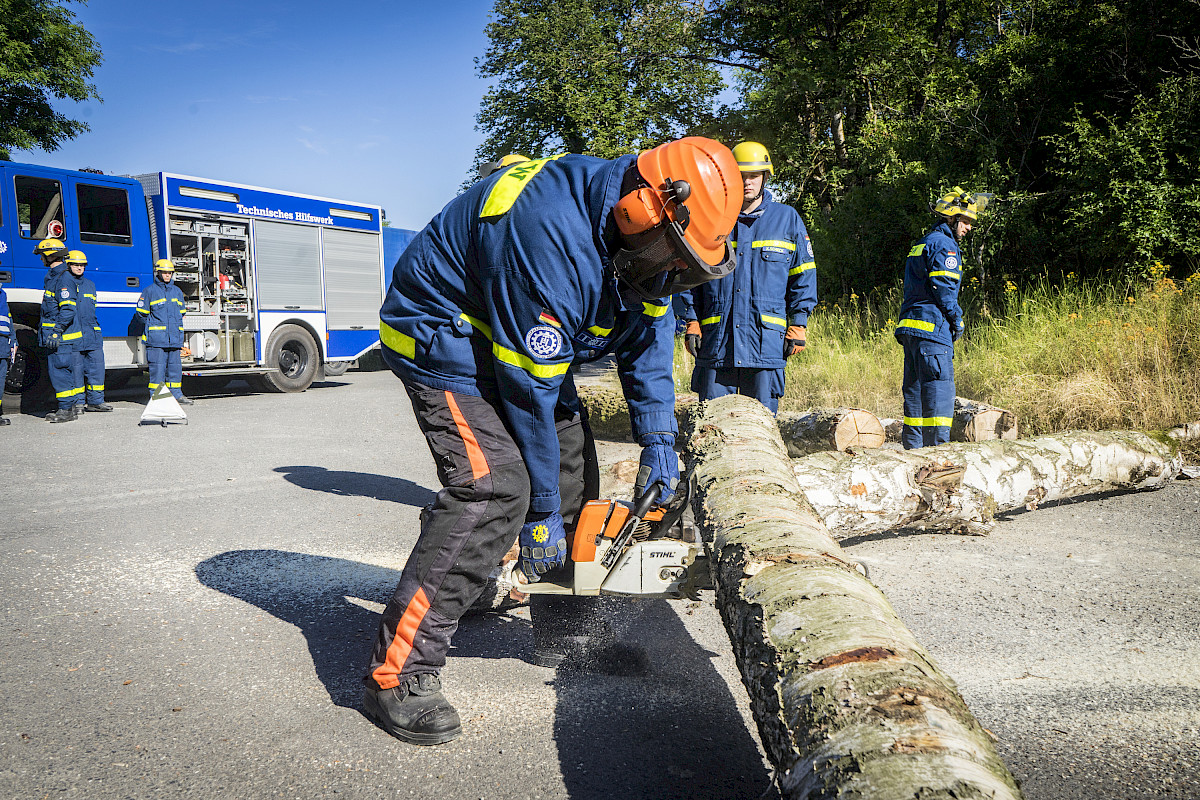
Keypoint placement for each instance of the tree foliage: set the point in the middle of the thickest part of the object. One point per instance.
(44, 55)
(601, 77)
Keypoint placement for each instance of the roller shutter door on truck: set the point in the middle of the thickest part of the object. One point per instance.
(353, 289)
(287, 266)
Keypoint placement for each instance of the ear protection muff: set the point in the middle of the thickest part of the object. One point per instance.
(639, 211)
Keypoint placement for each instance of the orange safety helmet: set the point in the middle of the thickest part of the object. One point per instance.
(693, 193)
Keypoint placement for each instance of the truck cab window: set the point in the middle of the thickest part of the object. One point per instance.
(103, 214)
(39, 207)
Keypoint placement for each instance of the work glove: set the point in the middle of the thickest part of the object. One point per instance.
(543, 543)
(53, 340)
(659, 464)
(956, 330)
(795, 339)
(691, 337)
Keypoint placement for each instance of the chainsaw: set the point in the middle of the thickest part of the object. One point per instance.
(639, 549)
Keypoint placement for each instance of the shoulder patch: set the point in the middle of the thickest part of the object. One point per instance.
(951, 262)
(65, 293)
(543, 341)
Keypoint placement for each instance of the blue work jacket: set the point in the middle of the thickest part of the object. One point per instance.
(161, 308)
(932, 276)
(7, 332)
(85, 313)
(66, 317)
(49, 309)
(745, 315)
(508, 285)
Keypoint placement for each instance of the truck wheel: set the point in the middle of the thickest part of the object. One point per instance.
(292, 351)
(28, 374)
(335, 368)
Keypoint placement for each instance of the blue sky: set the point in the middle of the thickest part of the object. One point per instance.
(371, 102)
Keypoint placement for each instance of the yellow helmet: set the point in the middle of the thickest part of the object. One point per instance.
(76, 257)
(961, 202)
(513, 158)
(50, 248)
(488, 167)
(753, 157)
(164, 265)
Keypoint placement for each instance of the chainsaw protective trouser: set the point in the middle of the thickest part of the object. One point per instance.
(928, 392)
(473, 521)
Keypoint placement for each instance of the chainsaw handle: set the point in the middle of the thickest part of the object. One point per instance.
(647, 500)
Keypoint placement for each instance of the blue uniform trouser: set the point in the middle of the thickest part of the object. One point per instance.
(93, 375)
(165, 367)
(928, 392)
(66, 376)
(3, 377)
(764, 385)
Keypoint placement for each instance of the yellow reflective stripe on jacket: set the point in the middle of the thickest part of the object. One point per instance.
(75, 335)
(48, 324)
(62, 303)
(926, 422)
(773, 243)
(478, 325)
(92, 296)
(920, 325)
(711, 320)
(916, 251)
(945, 274)
(596, 330)
(145, 312)
(402, 343)
(652, 310)
(511, 184)
(805, 267)
(512, 357)
(780, 321)
(157, 328)
(159, 300)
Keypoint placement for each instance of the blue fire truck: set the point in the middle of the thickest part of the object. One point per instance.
(280, 288)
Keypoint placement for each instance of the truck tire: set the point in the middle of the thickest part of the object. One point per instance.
(292, 351)
(336, 368)
(28, 374)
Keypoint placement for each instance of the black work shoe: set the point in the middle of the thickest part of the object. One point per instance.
(184, 400)
(414, 712)
(98, 407)
(5, 421)
(63, 415)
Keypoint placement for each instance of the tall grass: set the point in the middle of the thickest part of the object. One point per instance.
(1076, 355)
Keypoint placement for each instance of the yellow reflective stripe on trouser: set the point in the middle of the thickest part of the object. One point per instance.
(69, 336)
(920, 325)
(68, 393)
(805, 267)
(928, 422)
(780, 321)
(916, 251)
(945, 274)
(92, 388)
(711, 320)
(773, 243)
(402, 343)
(171, 385)
(652, 310)
(511, 184)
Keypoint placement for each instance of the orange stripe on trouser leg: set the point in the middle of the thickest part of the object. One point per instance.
(479, 465)
(386, 675)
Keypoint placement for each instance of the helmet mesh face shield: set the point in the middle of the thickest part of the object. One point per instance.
(667, 264)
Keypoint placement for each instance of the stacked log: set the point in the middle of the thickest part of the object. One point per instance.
(847, 703)
(836, 429)
(961, 487)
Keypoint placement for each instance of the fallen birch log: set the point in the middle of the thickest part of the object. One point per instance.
(848, 704)
(830, 429)
(961, 487)
(979, 422)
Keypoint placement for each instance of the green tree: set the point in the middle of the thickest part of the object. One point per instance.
(600, 77)
(44, 55)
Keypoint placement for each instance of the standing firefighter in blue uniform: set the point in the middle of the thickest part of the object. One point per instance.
(540, 264)
(743, 328)
(91, 346)
(66, 368)
(931, 320)
(161, 308)
(61, 366)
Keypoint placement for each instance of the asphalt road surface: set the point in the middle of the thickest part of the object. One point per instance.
(188, 611)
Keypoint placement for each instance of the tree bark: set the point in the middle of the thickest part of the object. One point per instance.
(979, 422)
(830, 429)
(847, 703)
(960, 487)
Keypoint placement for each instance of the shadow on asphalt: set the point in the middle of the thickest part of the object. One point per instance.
(671, 730)
(358, 484)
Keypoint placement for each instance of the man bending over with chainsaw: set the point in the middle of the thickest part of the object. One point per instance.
(539, 264)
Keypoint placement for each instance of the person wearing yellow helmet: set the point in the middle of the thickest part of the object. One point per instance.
(161, 310)
(89, 379)
(62, 333)
(931, 320)
(743, 327)
(8, 348)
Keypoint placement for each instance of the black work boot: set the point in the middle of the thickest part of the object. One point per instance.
(63, 415)
(5, 421)
(184, 400)
(98, 407)
(415, 711)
